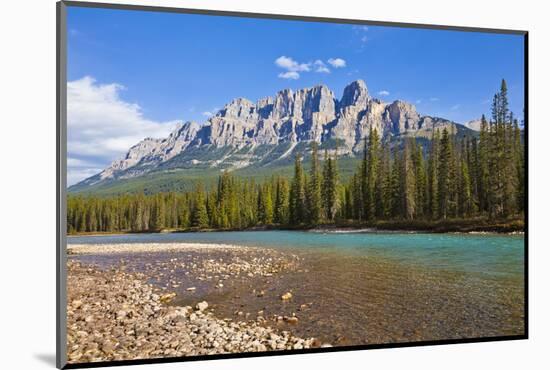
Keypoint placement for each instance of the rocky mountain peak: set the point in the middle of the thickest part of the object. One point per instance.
(244, 132)
(185, 131)
(356, 93)
(403, 116)
(237, 108)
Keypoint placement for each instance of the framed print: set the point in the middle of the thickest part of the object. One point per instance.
(235, 184)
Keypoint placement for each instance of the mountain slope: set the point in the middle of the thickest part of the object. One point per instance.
(265, 135)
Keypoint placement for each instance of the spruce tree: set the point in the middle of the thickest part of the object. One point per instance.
(409, 180)
(444, 175)
(386, 187)
(421, 181)
(297, 194)
(520, 167)
(372, 165)
(363, 181)
(397, 201)
(484, 151)
(200, 213)
(433, 177)
(281, 202)
(330, 187)
(314, 189)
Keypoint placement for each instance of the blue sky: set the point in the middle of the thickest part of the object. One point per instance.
(162, 67)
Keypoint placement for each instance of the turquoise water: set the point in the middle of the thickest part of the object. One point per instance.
(497, 255)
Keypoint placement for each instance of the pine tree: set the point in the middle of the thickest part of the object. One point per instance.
(397, 201)
(497, 155)
(484, 150)
(330, 187)
(465, 201)
(297, 194)
(520, 168)
(409, 181)
(137, 224)
(372, 165)
(386, 186)
(421, 181)
(159, 212)
(433, 177)
(212, 209)
(281, 202)
(444, 175)
(473, 164)
(357, 197)
(348, 203)
(314, 202)
(200, 213)
(503, 110)
(265, 205)
(363, 181)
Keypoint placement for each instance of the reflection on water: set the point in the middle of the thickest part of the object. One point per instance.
(359, 288)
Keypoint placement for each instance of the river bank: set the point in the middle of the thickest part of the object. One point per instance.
(116, 315)
(341, 289)
(478, 225)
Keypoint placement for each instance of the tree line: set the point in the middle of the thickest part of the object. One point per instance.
(450, 177)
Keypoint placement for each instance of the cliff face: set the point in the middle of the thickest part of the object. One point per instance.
(244, 132)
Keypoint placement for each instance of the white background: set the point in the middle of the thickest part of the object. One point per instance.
(27, 168)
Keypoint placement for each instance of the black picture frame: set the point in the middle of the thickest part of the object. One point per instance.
(61, 176)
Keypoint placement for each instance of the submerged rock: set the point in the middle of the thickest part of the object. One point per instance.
(120, 317)
(292, 320)
(201, 306)
(287, 296)
(167, 297)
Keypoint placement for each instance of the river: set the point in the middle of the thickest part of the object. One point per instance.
(365, 287)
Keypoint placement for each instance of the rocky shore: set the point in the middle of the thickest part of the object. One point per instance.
(149, 247)
(115, 314)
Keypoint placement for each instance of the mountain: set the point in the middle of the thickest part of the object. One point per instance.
(269, 132)
(474, 124)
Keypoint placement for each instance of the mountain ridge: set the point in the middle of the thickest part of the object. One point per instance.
(243, 133)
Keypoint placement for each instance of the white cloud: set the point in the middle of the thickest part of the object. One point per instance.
(321, 67)
(102, 126)
(77, 163)
(79, 169)
(418, 101)
(337, 62)
(291, 65)
(293, 68)
(455, 107)
(291, 75)
(434, 99)
(384, 93)
(364, 39)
